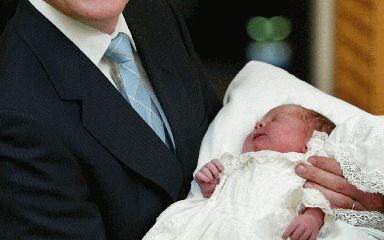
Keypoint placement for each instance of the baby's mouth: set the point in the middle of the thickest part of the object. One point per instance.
(257, 135)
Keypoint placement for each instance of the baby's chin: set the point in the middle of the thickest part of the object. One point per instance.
(248, 148)
(243, 150)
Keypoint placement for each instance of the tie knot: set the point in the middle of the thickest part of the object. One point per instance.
(120, 49)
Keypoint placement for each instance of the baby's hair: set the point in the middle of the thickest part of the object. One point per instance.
(316, 121)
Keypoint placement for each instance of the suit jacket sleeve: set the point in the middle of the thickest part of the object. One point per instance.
(41, 198)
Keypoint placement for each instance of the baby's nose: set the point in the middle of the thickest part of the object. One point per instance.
(260, 124)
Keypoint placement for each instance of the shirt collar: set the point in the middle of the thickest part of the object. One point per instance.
(92, 42)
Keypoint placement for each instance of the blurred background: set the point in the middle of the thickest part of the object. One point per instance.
(335, 45)
(227, 35)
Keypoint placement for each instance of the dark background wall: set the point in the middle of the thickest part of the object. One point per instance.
(218, 30)
(219, 34)
(7, 9)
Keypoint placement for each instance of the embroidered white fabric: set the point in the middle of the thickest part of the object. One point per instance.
(258, 196)
(361, 218)
(358, 145)
(259, 87)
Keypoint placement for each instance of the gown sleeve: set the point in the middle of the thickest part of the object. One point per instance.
(358, 145)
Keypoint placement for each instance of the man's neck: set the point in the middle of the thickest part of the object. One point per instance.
(106, 26)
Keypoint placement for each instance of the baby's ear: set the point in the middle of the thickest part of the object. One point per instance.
(304, 149)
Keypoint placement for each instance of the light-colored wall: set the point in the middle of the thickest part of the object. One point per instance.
(322, 47)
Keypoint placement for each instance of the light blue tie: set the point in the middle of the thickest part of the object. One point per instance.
(132, 88)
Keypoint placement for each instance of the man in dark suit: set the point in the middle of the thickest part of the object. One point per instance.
(76, 160)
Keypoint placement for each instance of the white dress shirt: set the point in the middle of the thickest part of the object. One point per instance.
(93, 43)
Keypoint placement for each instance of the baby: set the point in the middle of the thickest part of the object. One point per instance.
(254, 200)
(286, 128)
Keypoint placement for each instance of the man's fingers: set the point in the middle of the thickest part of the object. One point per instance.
(327, 173)
(374, 202)
(337, 200)
(326, 164)
(363, 201)
(326, 179)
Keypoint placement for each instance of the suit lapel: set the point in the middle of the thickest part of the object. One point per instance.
(105, 113)
(110, 119)
(155, 52)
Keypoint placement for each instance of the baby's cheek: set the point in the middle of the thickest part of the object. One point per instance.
(288, 144)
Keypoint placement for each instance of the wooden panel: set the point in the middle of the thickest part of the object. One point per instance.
(355, 13)
(356, 41)
(378, 66)
(359, 53)
(349, 59)
(352, 91)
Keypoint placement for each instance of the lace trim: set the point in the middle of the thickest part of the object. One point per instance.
(361, 218)
(232, 162)
(313, 198)
(316, 143)
(323, 136)
(367, 182)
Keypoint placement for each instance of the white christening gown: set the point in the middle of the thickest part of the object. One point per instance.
(258, 196)
(259, 193)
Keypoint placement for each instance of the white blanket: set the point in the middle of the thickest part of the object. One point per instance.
(259, 87)
(256, 89)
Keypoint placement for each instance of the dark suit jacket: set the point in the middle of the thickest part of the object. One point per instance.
(76, 161)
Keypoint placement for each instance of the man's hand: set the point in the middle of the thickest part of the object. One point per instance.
(208, 177)
(326, 176)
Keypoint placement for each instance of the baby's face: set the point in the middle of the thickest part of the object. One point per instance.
(280, 130)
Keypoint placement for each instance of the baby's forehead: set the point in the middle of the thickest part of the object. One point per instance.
(288, 109)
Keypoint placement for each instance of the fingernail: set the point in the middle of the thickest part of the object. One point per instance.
(309, 185)
(300, 169)
(312, 161)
